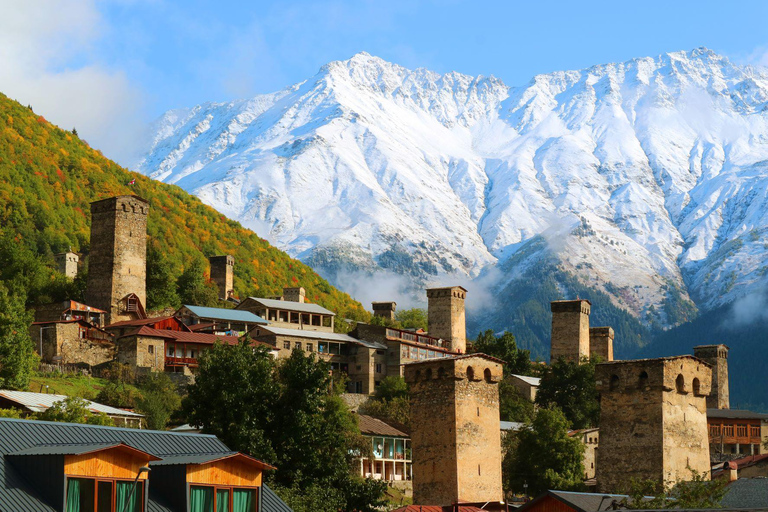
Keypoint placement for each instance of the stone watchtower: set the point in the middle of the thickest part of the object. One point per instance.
(446, 317)
(601, 343)
(717, 357)
(296, 294)
(222, 273)
(653, 421)
(455, 434)
(570, 329)
(67, 263)
(384, 309)
(117, 263)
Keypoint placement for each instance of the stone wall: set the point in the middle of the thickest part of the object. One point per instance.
(650, 429)
(570, 329)
(117, 263)
(455, 434)
(67, 263)
(62, 345)
(601, 343)
(222, 274)
(524, 388)
(135, 351)
(384, 310)
(717, 357)
(446, 316)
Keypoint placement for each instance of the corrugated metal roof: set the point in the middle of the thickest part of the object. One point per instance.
(736, 414)
(287, 305)
(39, 402)
(271, 502)
(533, 381)
(462, 356)
(375, 427)
(579, 501)
(192, 459)
(65, 449)
(315, 335)
(230, 315)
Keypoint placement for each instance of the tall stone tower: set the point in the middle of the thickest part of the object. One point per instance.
(295, 294)
(717, 357)
(384, 309)
(601, 343)
(570, 329)
(117, 263)
(67, 263)
(222, 273)
(446, 317)
(653, 421)
(455, 434)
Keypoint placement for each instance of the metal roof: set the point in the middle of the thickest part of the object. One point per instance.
(736, 414)
(746, 493)
(288, 305)
(39, 402)
(65, 449)
(230, 315)
(375, 427)
(514, 426)
(533, 381)
(315, 335)
(578, 501)
(271, 502)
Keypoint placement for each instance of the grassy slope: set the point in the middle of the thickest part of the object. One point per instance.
(48, 177)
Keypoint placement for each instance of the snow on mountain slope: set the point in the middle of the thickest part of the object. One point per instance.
(644, 177)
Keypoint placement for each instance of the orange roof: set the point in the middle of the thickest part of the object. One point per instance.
(189, 337)
(140, 321)
(79, 306)
(437, 508)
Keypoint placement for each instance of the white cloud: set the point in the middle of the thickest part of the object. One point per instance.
(46, 50)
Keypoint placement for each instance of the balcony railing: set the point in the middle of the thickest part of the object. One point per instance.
(180, 361)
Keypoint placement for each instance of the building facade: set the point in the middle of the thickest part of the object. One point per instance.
(446, 316)
(391, 450)
(223, 275)
(717, 357)
(72, 342)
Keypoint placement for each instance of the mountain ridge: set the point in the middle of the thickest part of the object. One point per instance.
(646, 178)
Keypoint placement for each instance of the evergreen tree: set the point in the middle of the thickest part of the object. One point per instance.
(74, 132)
(543, 456)
(17, 354)
(570, 386)
(194, 289)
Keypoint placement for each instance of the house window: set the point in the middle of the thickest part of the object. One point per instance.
(310, 347)
(107, 495)
(378, 367)
(358, 387)
(151, 349)
(204, 498)
(287, 345)
(171, 349)
(298, 345)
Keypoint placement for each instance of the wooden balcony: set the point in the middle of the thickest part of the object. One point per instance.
(180, 361)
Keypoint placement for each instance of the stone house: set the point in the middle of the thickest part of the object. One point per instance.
(525, 385)
(70, 310)
(72, 342)
(220, 321)
(291, 311)
(734, 433)
(590, 438)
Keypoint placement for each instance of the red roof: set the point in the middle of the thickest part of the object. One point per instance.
(140, 321)
(79, 306)
(436, 508)
(189, 337)
(200, 327)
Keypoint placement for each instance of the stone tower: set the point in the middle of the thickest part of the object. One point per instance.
(296, 294)
(222, 273)
(446, 317)
(570, 329)
(653, 421)
(117, 263)
(717, 357)
(455, 434)
(67, 263)
(601, 343)
(384, 309)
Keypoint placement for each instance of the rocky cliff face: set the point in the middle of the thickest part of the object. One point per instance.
(646, 180)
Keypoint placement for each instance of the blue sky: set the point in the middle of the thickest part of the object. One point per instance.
(88, 63)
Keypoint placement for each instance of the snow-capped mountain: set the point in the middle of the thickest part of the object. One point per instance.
(645, 178)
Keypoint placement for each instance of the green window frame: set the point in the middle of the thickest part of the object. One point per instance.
(86, 494)
(223, 498)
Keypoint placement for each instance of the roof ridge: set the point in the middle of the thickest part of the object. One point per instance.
(105, 427)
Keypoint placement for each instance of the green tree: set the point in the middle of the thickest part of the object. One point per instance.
(415, 318)
(696, 493)
(74, 410)
(161, 287)
(517, 361)
(544, 456)
(17, 354)
(194, 289)
(391, 402)
(391, 387)
(159, 400)
(513, 406)
(10, 413)
(570, 386)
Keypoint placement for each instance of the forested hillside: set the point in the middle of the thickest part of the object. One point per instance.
(48, 177)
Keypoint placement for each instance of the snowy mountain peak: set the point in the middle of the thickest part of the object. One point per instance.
(646, 179)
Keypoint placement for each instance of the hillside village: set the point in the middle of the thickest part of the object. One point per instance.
(664, 420)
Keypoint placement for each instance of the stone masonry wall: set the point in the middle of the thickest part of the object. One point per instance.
(601, 343)
(717, 357)
(446, 316)
(222, 274)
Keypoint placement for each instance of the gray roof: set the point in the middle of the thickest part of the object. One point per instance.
(746, 493)
(579, 501)
(533, 381)
(735, 413)
(40, 402)
(230, 315)
(271, 502)
(315, 335)
(514, 426)
(191, 459)
(26, 437)
(288, 305)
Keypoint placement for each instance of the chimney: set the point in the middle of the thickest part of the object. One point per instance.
(384, 309)
(297, 294)
(222, 273)
(733, 470)
(601, 343)
(717, 357)
(570, 329)
(446, 317)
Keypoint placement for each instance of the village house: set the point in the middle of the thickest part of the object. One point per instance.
(30, 403)
(290, 311)
(590, 438)
(733, 433)
(70, 310)
(391, 448)
(87, 468)
(221, 321)
(525, 385)
(72, 342)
